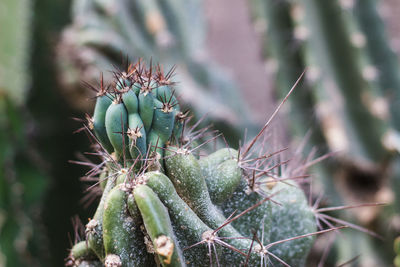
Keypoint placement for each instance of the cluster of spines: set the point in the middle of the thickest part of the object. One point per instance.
(138, 114)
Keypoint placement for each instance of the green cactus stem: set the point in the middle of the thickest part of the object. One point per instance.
(123, 239)
(158, 226)
(99, 121)
(117, 127)
(331, 44)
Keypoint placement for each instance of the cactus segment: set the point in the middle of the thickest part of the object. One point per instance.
(209, 164)
(99, 124)
(158, 226)
(130, 101)
(187, 225)
(137, 136)
(257, 219)
(136, 133)
(122, 237)
(117, 127)
(180, 212)
(163, 120)
(293, 217)
(219, 156)
(184, 171)
(226, 179)
(94, 229)
(146, 108)
(81, 251)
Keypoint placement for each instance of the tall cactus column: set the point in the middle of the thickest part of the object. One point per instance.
(283, 50)
(382, 56)
(329, 41)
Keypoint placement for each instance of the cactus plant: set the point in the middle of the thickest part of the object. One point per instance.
(163, 204)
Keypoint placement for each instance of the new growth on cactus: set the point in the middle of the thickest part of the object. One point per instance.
(163, 202)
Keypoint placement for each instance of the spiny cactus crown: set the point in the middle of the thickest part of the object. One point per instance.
(138, 113)
(162, 204)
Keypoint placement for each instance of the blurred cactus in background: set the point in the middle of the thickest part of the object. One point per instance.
(350, 94)
(383, 59)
